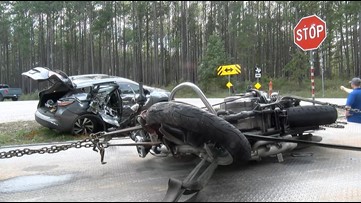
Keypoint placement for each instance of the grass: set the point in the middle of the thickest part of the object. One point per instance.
(283, 86)
(331, 88)
(29, 132)
(31, 96)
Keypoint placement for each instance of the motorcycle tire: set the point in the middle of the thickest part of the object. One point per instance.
(203, 126)
(303, 116)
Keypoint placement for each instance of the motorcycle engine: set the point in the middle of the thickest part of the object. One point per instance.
(236, 104)
(244, 105)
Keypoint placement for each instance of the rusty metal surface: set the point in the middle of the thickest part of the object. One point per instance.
(315, 174)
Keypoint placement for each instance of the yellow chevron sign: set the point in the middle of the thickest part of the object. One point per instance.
(229, 70)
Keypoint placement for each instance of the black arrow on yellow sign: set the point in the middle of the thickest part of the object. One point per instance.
(229, 70)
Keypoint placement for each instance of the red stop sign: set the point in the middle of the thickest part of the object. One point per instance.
(309, 33)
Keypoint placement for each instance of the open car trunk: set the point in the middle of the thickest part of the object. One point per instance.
(61, 84)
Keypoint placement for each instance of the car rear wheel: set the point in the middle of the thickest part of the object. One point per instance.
(14, 98)
(1, 97)
(86, 124)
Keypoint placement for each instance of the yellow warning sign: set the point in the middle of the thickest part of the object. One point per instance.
(257, 85)
(229, 85)
(229, 70)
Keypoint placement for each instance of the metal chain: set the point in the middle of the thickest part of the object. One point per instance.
(352, 110)
(334, 125)
(51, 150)
(343, 107)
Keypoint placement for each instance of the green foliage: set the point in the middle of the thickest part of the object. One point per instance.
(297, 68)
(291, 87)
(214, 57)
(103, 19)
(30, 96)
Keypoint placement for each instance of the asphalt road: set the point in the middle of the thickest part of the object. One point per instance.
(11, 111)
(308, 174)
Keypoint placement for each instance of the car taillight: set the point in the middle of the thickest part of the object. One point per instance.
(65, 103)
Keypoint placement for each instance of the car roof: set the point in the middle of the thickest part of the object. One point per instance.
(90, 79)
(88, 76)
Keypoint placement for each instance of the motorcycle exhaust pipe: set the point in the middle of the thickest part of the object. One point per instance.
(268, 148)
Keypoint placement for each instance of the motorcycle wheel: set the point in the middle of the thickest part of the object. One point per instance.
(303, 116)
(202, 127)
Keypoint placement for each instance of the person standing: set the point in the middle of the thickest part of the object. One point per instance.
(354, 101)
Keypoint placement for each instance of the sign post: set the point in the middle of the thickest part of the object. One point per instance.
(322, 72)
(309, 33)
(312, 77)
(257, 74)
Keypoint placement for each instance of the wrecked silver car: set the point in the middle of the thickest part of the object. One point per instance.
(85, 104)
